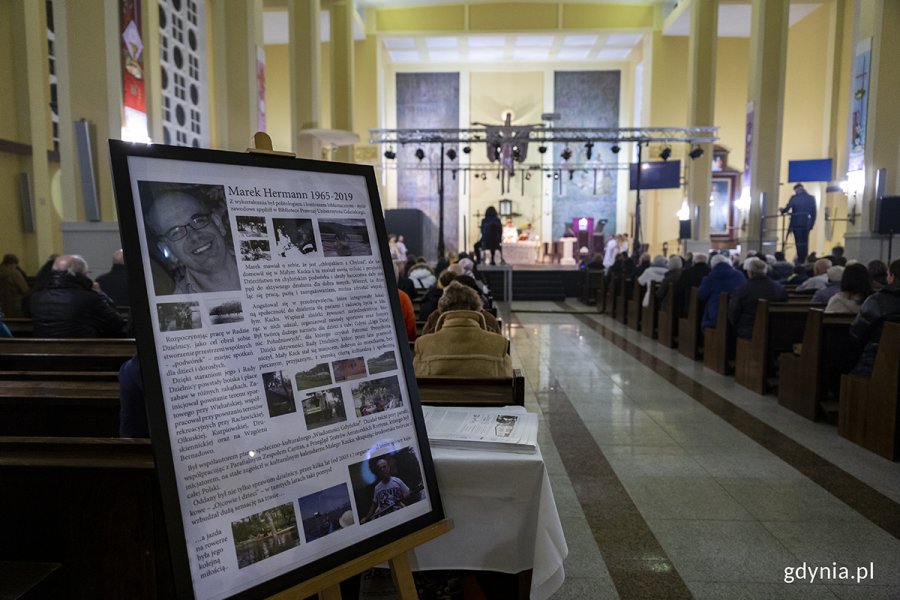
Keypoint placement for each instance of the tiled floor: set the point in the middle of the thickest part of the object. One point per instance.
(668, 489)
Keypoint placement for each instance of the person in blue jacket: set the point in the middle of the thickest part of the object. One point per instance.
(802, 207)
(722, 278)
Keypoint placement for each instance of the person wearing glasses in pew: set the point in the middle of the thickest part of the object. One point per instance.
(191, 235)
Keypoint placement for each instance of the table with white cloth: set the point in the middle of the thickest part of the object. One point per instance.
(504, 518)
(520, 253)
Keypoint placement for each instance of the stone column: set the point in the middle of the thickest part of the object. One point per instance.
(306, 65)
(342, 72)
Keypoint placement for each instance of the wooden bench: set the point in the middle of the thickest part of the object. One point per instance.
(650, 313)
(868, 413)
(91, 505)
(65, 354)
(601, 294)
(634, 305)
(624, 290)
(59, 408)
(667, 320)
(59, 376)
(690, 337)
(591, 282)
(19, 326)
(812, 376)
(719, 341)
(776, 328)
(611, 294)
(464, 391)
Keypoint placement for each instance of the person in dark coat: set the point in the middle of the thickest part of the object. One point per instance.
(115, 283)
(722, 278)
(492, 233)
(691, 277)
(802, 207)
(69, 307)
(742, 306)
(865, 331)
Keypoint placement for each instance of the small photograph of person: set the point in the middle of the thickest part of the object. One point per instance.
(345, 237)
(251, 227)
(349, 368)
(178, 316)
(505, 425)
(386, 483)
(318, 376)
(189, 238)
(377, 395)
(324, 408)
(265, 534)
(226, 311)
(256, 250)
(279, 395)
(294, 237)
(382, 363)
(326, 512)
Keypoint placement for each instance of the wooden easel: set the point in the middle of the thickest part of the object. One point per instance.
(396, 554)
(327, 585)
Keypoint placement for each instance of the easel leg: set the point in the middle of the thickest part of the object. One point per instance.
(331, 593)
(401, 573)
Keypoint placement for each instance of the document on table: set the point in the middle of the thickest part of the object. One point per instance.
(510, 428)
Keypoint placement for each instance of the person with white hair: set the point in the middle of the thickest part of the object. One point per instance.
(71, 305)
(742, 305)
(655, 272)
(667, 286)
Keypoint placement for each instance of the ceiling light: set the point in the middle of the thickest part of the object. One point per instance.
(566, 153)
(615, 149)
(589, 150)
(390, 154)
(542, 149)
(696, 152)
(666, 153)
(451, 154)
(467, 149)
(420, 154)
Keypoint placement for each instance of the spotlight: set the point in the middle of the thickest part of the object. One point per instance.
(390, 154)
(696, 152)
(615, 149)
(528, 176)
(549, 176)
(571, 174)
(566, 154)
(497, 150)
(666, 153)
(516, 152)
(467, 149)
(542, 149)
(451, 154)
(589, 150)
(483, 176)
(420, 154)
(555, 175)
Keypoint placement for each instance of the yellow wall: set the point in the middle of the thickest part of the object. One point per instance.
(365, 97)
(278, 97)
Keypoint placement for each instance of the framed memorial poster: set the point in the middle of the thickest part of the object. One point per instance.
(280, 394)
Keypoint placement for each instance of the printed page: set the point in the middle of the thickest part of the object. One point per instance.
(289, 416)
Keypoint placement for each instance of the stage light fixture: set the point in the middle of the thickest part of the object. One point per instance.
(555, 175)
(566, 153)
(467, 149)
(483, 176)
(390, 154)
(615, 149)
(451, 154)
(571, 174)
(589, 150)
(542, 149)
(666, 153)
(696, 152)
(420, 154)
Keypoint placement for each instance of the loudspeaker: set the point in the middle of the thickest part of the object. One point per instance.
(27, 206)
(416, 228)
(684, 229)
(84, 151)
(887, 214)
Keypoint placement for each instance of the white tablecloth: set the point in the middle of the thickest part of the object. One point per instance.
(504, 518)
(520, 253)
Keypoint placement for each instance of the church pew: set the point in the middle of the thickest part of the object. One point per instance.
(590, 285)
(650, 313)
(812, 376)
(719, 341)
(776, 328)
(19, 326)
(623, 290)
(65, 354)
(612, 295)
(59, 408)
(467, 391)
(601, 294)
(25, 375)
(690, 337)
(868, 413)
(91, 505)
(633, 304)
(667, 321)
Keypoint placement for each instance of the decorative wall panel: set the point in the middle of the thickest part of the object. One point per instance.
(184, 72)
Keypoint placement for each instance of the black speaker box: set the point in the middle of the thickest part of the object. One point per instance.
(887, 214)
(417, 229)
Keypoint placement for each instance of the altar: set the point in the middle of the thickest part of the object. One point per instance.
(520, 253)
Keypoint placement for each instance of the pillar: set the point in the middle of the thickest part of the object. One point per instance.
(306, 64)
(342, 72)
(701, 109)
(768, 54)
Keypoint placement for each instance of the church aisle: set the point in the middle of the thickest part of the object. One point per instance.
(663, 497)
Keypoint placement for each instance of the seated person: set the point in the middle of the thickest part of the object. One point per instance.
(856, 286)
(455, 297)
(461, 345)
(832, 287)
(421, 275)
(409, 314)
(676, 264)
(865, 331)
(510, 233)
(70, 306)
(742, 305)
(722, 278)
(819, 278)
(431, 297)
(655, 272)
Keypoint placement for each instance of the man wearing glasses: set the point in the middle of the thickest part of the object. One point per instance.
(189, 232)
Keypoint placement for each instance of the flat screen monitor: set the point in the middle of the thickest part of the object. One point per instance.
(657, 175)
(810, 170)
